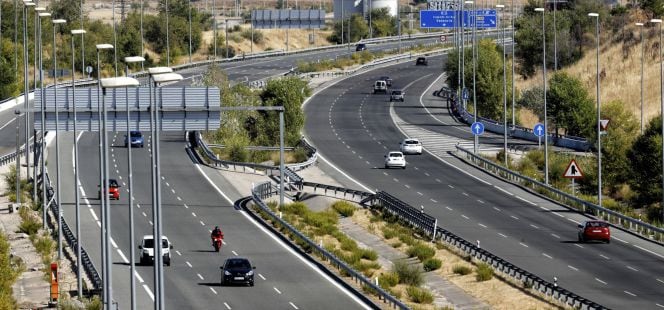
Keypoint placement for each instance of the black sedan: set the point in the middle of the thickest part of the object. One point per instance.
(237, 270)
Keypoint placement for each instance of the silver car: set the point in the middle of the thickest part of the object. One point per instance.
(395, 159)
(397, 95)
(411, 146)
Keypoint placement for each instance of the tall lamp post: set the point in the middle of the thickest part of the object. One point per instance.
(159, 75)
(640, 25)
(599, 126)
(43, 127)
(661, 89)
(513, 61)
(102, 176)
(56, 22)
(38, 10)
(132, 264)
(79, 281)
(463, 52)
(502, 7)
(26, 89)
(475, 56)
(546, 125)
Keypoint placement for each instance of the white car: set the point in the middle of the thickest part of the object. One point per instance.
(147, 250)
(395, 159)
(411, 146)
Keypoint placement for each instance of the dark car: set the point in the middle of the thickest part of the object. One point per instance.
(113, 190)
(387, 80)
(421, 61)
(237, 270)
(360, 47)
(594, 230)
(136, 139)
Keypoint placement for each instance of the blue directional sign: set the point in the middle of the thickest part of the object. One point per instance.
(464, 94)
(538, 130)
(450, 19)
(477, 128)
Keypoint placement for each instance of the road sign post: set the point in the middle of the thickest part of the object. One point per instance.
(449, 18)
(603, 125)
(477, 128)
(539, 131)
(573, 172)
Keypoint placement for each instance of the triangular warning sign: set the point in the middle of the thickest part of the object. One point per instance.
(573, 171)
(603, 123)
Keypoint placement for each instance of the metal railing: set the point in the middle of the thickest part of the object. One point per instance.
(6, 159)
(617, 219)
(265, 190)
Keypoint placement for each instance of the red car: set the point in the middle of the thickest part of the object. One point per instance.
(594, 230)
(113, 190)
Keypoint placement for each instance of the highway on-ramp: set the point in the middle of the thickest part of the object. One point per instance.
(353, 129)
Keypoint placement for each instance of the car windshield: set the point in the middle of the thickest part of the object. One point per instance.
(395, 155)
(112, 183)
(597, 224)
(412, 142)
(149, 243)
(396, 92)
(135, 134)
(238, 263)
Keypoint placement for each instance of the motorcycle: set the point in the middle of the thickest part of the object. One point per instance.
(217, 242)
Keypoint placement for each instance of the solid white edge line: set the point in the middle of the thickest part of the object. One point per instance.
(124, 258)
(651, 252)
(285, 246)
(140, 279)
(503, 190)
(600, 281)
(147, 289)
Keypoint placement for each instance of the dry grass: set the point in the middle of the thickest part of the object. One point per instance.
(495, 292)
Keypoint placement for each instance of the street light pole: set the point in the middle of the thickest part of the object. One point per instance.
(661, 87)
(43, 127)
(189, 3)
(475, 56)
(79, 281)
(640, 25)
(57, 130)
(599, 126)
(502, 7)
(26, 89)
(513, 61)
(555, 37)
(546, 125)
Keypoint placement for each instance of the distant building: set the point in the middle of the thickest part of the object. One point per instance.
(363, 7)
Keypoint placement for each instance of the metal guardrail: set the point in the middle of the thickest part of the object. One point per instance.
(6, 159)
(617, 219)
(70, 238)
(264, 190)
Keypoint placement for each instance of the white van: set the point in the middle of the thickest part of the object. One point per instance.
(380, 86)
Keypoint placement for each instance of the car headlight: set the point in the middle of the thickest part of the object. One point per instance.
(226, 273)
(250, 273)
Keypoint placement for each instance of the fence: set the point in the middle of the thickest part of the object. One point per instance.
(633, 225)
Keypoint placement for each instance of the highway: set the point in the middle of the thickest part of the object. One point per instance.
(353, 129)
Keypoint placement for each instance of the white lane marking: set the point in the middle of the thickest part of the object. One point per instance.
(533, 226)
(465, 217)
(659, 280)
(578, 245)
(514, 217)
(574, 221)
(630, 293)
(544, 208)
(138, 276)
(286, 247)
(178, 252)
(277, 290)
(623, 241)
(502, 190)
(120, 177)
(178, 197)
(502, 235)
(99, 224)
(555, 236)
(547, 256)
(200, 276)
(186, 206)
(573, 268)
(261, 276)
(144, 214)
(94, 216)
(202, 224)
(294, 306)
(433, 200)
(603, 256)
(407, 186)
(658, 305)
(194, 214)
(482, 225)
(480, 201)
(600, 281)
(147, 289)
(115, 245)
(632, 268)
(124, 258)
(523, 244)
(439, 181)
(497, 209)
(213, 291)
(558, 214)
(448, 208)
(151, 224)
(426, 174)
(173, 191)
(234, 253)
(651, 252)
(227, 306)
(525, 200)
(464, 193)
(420, 194)
(168, 184)
(188, 264)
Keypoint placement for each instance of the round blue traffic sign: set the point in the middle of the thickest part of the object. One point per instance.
(538, 130)
(477, 128)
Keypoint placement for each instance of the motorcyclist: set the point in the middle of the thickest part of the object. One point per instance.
(216, 233)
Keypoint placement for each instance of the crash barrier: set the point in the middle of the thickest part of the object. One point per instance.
(6, 159)
(70, 238)
(265, 190)
(312, 157)
(427, 224)
(570, 142)
(617, 219)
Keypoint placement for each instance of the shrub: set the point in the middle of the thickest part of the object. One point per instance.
(348, 244)
(461, 270)
(389, 233)
(484, 272)
(344, 208)
(320, 219)
(408, 274)
(421, 251)
(388, 279)
(297, 208)
(407, 239)
(419, 295)
(396, 244)
(431, 264)
(258, 36)
(29, 224)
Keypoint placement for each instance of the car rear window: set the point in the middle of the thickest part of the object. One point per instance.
(413, 142)
(395, 155)
(136, 134)
(598, 224)
(149, 244)
(396, 92)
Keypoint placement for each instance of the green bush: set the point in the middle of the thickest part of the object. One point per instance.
(419, 295)
(462, 270)
(369, 254)
(484, 272)
(8, 274)
(431, 264)
(389, 233)
(258, 36)
(388, 279)
(408, 274)
(348, 244)
(29, 224)
(344, 208)
(421, 251)
(407, 239)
